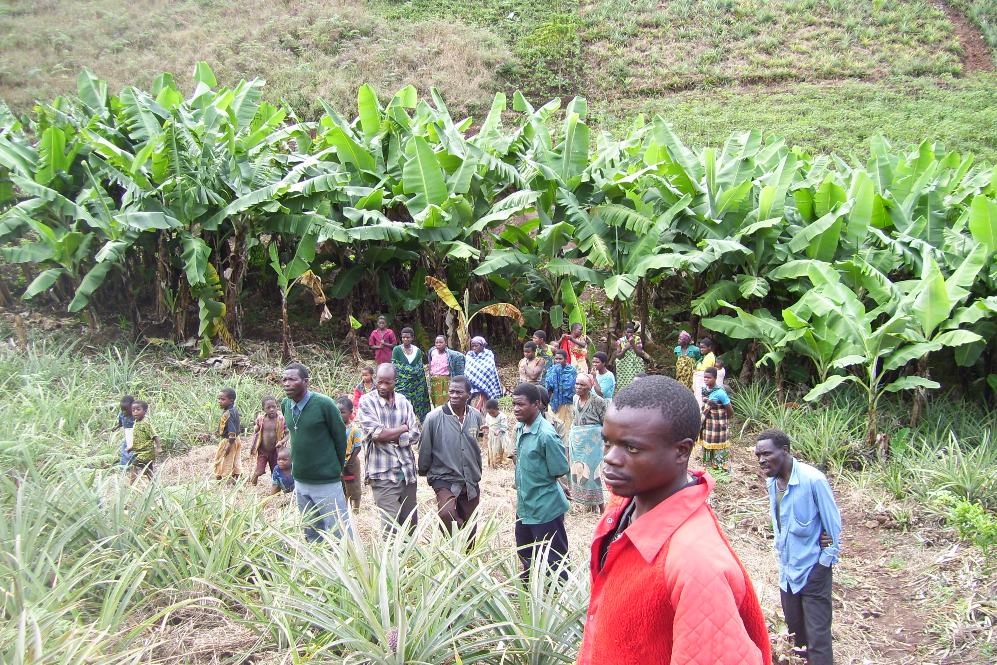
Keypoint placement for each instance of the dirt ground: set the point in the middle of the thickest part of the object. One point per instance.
(899, 597)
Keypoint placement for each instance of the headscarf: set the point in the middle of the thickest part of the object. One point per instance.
(685, 338)
(587, 379)
(479, 340)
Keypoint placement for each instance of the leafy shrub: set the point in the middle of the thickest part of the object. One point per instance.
(973, 522)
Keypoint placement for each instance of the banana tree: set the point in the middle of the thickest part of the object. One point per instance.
(463, 325)
(297, 272)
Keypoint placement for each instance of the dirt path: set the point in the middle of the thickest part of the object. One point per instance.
(976, 55)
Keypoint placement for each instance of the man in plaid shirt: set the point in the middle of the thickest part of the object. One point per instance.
(391, 431)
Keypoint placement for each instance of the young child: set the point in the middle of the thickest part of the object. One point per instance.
(721, 371)
(229, 445)
(532, 366)
(352, 476)
(544, 350)
(717, 412)
(125, 422)
(281, 478)
(496, 430)
(145, 442)
(269, 434)
(365, 386)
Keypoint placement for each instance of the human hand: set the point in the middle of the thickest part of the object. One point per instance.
(825, 540)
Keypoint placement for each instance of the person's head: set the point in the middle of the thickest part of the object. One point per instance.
(710, 377)
(527, 403)
(226, 398)
(478, 344)
(544, 397)
(772, 451)
(440, 343)
(529, 350)
(685, 339)
(139, 409)
(458, 392)
(284, 459)
(382, 323)
(295, 381)
(492, 407)
(720, 362)
(599, 362)
(561, 357)
(367, 374)
(539, 338)
(126, 404)
(576, 329)
(631, 329)
(385, 380)
(345, 405)
(407, 336)
(270, 407)
(583, 385)
(649, 432)
(706, 345)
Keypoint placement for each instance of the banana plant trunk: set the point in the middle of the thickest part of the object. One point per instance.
(239, 252)
(287, 346)
(920, 394)
(780, 394)
(180, 315)
(162, 278)
(351, 336)
(643, 310)
(748, 364)
(614, 325)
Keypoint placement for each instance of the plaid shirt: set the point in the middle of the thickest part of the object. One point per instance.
(388, 460)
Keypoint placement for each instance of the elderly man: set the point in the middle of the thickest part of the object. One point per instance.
(450, 457)
(318, 451)
(390, 430)
(807, 528)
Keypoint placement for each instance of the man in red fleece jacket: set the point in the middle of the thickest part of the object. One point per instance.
(666, 585)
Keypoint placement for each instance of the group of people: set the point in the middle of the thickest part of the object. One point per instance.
(666, 584)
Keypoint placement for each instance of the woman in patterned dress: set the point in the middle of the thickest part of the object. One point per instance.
(629, 358)
(408, 361)
(686, 356)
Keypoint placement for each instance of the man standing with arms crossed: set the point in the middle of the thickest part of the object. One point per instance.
(807, 528)
(390, 431)
(450, 456)
(318, 449)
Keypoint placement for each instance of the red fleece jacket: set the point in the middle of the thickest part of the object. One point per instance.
(672, 590)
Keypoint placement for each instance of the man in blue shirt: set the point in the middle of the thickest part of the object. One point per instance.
(807, 528)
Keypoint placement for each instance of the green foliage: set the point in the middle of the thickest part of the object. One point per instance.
(974, 523)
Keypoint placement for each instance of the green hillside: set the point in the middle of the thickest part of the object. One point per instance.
(827, 74)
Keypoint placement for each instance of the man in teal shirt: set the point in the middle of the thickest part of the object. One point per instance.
(540, 501)
(318, 451)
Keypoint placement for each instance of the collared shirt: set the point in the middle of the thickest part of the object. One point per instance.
(449, 453)
(388, 460)
(560, 381)
(300, 405)
(540, 460)
(806, 509)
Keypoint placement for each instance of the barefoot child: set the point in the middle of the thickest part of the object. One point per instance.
(125, 423)
(352, 483)
(269, 434)
(281, 479)
(496, 429)
(717, 412)
(145, 442)
(365, 386)
(229, 445)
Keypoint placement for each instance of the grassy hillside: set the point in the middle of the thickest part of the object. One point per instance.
(825, 73)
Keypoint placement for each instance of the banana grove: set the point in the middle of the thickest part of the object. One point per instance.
(180, 210)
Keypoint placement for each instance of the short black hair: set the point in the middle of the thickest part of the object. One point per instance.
(299, 368)
(368, 369)
(706, 341)
(345, 402)
(141, 403)
(461, 380)
(712, 371)
(269, 398)
(408, 331)
(602, 357)
(577, 325)
(776, 436)
(127, 398)
(491, 404)
(673, 400)
(229, 392)
(531, 392)
(529, 346)
(561, 352)
(544, 396)
(631, 327)
(541, 334)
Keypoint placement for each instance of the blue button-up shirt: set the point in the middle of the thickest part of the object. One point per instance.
(300, 406)
(806, 509)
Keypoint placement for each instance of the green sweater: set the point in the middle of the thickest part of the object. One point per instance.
(318, 440)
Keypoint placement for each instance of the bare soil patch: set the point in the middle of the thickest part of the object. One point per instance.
(976, 55)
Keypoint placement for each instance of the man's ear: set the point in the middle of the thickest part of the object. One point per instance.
(683, 449)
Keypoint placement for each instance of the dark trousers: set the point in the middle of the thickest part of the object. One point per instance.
(808, 615)
(454, 511)
(530, 537)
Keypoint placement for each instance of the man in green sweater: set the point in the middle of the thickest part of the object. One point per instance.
(318, 451)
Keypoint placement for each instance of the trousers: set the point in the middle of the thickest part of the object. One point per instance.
(808, 616)
(323, 507)
(396, 502)
(530, 538)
